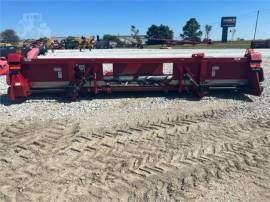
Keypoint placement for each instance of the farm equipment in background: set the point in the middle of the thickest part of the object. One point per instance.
(55, 44)
(2, 44)
(24, 48)
(260, 44)
(197, 74)
(5, 50)
(86, 43)
(79, 43)
(103, 44)
(71, 43)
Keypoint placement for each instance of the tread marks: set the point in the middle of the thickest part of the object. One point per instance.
(162, 157)
(216, 169)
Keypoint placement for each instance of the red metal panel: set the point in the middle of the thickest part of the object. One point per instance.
(188, 73)
(138, 68)
(14, 57)
(227, 70)
(203, 71)
(33, 53)
(178, 75)
(46, 72)
(3, 67)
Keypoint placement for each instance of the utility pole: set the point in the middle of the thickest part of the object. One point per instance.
(256, 25)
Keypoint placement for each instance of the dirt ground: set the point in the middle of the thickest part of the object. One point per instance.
(139, 149)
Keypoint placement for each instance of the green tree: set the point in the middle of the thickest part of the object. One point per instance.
(159, 32)
(191, 31)
(207, 29)
(9, 35)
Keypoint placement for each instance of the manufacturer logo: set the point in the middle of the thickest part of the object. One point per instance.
(214, 69)
(58, 70)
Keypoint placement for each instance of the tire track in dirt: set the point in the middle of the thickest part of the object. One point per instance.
(149, 161)
(29, 141)
(166, 160)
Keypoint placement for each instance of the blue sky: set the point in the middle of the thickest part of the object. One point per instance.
(92, 17)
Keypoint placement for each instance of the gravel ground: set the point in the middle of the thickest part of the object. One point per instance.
(60, 166)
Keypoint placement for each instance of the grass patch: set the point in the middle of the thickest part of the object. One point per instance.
(215, 45)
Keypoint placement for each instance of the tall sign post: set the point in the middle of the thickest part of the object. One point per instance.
(227, 22)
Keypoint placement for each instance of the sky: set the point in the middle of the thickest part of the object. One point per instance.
(97, 17)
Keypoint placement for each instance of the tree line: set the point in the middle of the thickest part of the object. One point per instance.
(190, 31)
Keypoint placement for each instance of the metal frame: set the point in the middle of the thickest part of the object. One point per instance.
(196, 74)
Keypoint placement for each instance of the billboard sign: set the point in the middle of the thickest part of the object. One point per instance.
(228, 21)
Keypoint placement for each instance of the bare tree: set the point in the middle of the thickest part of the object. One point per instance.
(208, 29)
(135, 33)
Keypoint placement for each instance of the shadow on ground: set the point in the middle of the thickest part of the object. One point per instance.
(62, 98)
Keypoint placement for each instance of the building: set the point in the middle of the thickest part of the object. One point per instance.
(129, 39)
